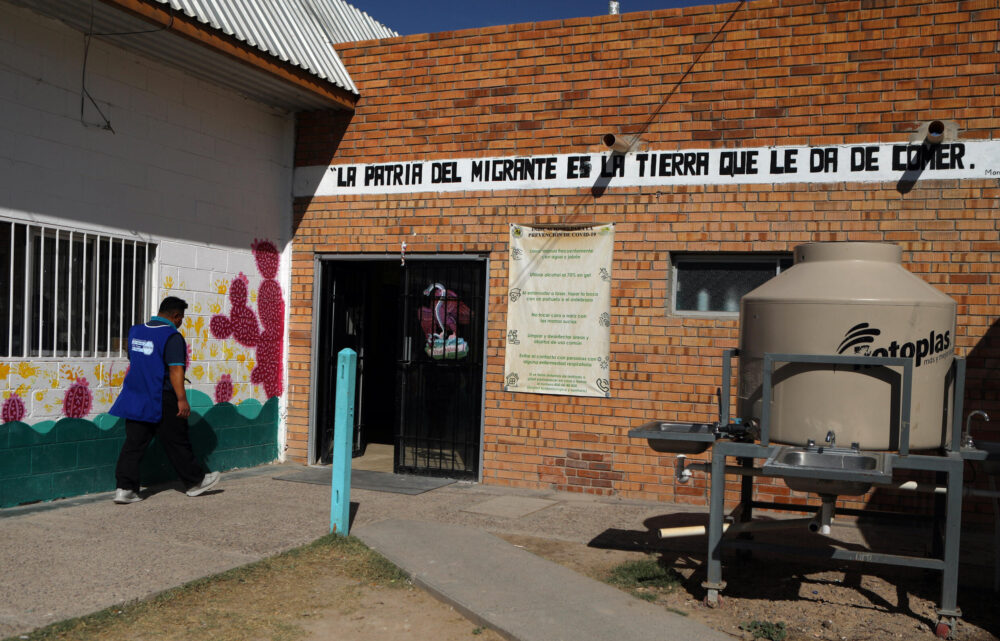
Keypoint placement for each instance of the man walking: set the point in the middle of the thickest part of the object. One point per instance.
(153, 403)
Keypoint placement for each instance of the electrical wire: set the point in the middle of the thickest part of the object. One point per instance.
(85, 94)
(696, 60)
(656, 112)
(584, 200)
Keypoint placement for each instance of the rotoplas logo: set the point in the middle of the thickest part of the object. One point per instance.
(860, 340)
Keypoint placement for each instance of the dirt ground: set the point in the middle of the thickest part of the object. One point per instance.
(340, 589)
(835, 602)
(384, 614)
(327, 590)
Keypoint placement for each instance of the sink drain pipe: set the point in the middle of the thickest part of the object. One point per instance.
(751, 526)
(684, 470)
(930, 488)
(824, 516)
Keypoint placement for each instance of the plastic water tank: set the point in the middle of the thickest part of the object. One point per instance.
(856, 299)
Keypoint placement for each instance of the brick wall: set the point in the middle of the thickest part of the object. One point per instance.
(780, 73)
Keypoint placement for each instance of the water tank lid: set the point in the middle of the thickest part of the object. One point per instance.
(880, 252)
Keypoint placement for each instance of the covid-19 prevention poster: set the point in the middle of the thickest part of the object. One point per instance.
(559, 310)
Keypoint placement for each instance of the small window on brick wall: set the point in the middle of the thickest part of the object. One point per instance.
(713, 284)
(66, 293)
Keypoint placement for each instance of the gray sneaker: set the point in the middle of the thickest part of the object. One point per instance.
(211, 480)
(126, 496)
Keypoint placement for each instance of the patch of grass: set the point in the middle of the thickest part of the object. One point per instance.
(364, 564)
(766, 630)
(258, 600)
(644, 579)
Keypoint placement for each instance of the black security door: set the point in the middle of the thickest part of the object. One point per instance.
(343, 303)
(439, 391)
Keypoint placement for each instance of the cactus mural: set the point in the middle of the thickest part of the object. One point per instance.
(13, 409)
(264, 329)
(78, 399)
(234, 359)
(224, 389)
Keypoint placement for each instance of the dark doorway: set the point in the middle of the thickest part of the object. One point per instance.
(418, 332)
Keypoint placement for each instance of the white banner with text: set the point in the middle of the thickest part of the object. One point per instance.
(902, 163)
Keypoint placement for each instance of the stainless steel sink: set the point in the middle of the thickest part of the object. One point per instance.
(678, 438)
(828, 460)
(991, 464)
(833, 471)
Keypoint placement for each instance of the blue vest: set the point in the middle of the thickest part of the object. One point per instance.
(141, 398)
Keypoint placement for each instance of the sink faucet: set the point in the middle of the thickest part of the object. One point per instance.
(967, 440)
(831, 438)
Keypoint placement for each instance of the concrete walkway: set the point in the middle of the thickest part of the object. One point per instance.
(73, 557)
(69, 558)
(521, 595)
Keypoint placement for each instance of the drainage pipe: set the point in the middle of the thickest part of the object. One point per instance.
(684, 470)
(730, 469)
(821, 522)
(751, 526)
(914, 486)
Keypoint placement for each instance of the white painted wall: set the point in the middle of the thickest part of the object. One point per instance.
(198, 170)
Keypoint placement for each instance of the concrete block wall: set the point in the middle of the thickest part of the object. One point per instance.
(168, 159)
(779, 73)
(201, 172)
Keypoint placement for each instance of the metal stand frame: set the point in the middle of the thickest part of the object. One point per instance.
(950, 464)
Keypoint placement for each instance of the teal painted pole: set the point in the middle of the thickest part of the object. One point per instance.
(343, 435)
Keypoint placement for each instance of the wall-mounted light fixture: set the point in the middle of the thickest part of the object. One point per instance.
(935, 132)
(620, 143)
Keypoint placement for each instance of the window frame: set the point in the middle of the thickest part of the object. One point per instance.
(679, 258)
(27, 331)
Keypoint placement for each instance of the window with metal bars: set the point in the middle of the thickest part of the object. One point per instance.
(66, 293)
(713, 284)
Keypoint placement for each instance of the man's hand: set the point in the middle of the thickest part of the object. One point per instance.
(177, 382)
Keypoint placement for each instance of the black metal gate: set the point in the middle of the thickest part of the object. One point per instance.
(441, 368)
(343, 303)
(418, 331)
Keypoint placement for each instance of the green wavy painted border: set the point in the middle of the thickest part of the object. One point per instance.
(70, 457)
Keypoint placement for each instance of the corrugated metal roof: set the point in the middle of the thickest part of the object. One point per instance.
(299, 32)
(347, 23)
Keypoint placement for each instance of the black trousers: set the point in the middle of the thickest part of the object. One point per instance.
(172, 432)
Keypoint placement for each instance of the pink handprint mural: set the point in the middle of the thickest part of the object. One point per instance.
(264, 329)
